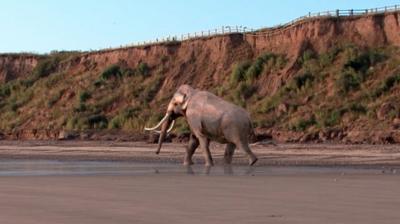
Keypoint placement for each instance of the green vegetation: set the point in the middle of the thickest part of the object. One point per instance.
(357, 108)
(303, 81)
(151, 89)
(344, 86)
(387, 85)
(111, 71)
(357, 67)
(329, 117)
(5, 90)
(302, 124)
(239, 71)
(307, 56)
(81, 122)
(123, 119)
(249, 71)
(55, 98)
(118, 71)
(244, 74)
(348, 80)
(143, 69)
(258, 66)
(80, 108)
(361, 61)
(352, 72)
(49, 64)
(83, 96)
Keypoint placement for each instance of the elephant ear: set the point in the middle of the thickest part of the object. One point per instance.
(185, 92)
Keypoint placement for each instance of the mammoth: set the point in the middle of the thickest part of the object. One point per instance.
(209, 118)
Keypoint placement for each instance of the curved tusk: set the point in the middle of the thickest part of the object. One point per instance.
(158, 125)
(169, 129)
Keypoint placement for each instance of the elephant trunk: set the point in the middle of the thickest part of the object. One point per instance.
(163, 132)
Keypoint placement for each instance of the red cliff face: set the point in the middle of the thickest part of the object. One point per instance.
(203, 62)
(206, 63)
(321, 34)
(14, 66)
(208, 60)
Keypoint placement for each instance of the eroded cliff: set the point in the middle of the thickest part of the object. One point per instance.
(320, 79)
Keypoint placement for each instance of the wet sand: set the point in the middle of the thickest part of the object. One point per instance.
(282, 154)
(75, 187)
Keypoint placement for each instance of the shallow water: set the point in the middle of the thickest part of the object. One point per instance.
(60, 168)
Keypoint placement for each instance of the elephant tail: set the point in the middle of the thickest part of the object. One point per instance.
(258, 140)
(252, 134)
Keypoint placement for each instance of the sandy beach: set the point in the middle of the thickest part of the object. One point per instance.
(268, 154)
(108, 182)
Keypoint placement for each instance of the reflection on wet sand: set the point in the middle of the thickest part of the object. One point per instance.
(51, 168)
(227, 170)
(113, 192)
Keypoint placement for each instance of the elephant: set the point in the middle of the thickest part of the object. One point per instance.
(209, 118)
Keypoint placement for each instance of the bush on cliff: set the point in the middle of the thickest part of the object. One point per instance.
(111, 71)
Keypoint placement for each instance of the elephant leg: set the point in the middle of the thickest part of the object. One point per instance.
(204, 144)
(245, 147)
(190, 149)
(229, 150)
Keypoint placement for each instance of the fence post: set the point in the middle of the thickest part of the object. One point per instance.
(237, 29)
(222, 29)
(309, 14)
(366, 11)
(351, 12)
(385, 8)
(337, 12)
(209, 32)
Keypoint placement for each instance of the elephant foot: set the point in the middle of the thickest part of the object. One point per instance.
(187, 163)
(228, 161)
(253, 161)
(209, 164)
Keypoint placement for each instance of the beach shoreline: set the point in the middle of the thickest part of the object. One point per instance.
(276, 155)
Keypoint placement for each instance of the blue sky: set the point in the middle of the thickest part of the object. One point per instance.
(45, 25)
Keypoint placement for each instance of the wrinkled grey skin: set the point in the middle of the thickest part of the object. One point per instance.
(209, 118)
